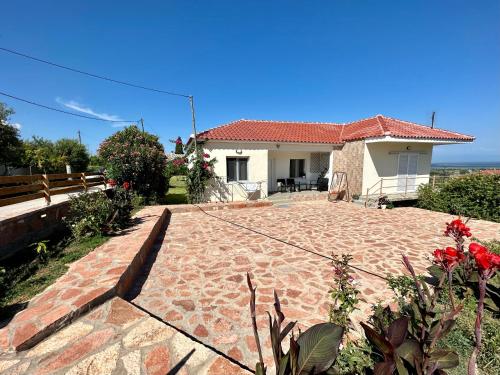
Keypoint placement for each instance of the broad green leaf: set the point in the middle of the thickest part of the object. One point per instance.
(378, 340)
(284, 368)
(397, 331)
(409, 351)
(444, 358)
(400, 366)
(318, 348)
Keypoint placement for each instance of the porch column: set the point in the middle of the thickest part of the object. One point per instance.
(329, 174)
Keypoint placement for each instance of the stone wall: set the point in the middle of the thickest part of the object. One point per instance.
(349, 158)
(23, 230)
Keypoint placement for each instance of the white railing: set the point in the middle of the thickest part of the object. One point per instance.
(402, 185)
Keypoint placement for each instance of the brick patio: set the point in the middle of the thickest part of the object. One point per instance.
(194, 281)
(197, 279)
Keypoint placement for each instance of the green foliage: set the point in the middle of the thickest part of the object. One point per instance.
(344, 294)
(71, 152)
(138, 157)
(41, 249)
(50, 157)
(461, 339)
(313, 352)
(94, 213)
(354, 358)
(26, 274)
(179, 148)
(472, 195)
(200, 172)
(11, 149)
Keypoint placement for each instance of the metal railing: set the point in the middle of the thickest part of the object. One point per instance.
(386, 185)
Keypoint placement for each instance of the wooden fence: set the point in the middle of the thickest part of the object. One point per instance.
(16, 189)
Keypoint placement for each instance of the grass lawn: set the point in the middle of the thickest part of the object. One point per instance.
(26, 274)
(177, 192)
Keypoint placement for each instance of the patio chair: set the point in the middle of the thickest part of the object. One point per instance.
(290, 184)
(281, 185)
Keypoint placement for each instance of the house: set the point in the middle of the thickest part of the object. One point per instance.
(378, 154)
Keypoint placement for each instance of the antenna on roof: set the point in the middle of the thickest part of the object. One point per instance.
(432, 121)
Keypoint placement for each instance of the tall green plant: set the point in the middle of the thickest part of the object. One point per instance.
(312, 352)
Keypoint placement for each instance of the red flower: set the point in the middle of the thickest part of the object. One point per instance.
(457, 228)
(204, 165)
(206, 156)
(448, 258)
(111, 182)
(178, 141)
(487, 263)
(126, 185)
(475, 248)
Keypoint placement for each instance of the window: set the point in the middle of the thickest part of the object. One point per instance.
(297, 168)
(237, 169)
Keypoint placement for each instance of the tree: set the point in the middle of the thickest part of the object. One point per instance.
(137, 157)
(179, 149)
(40, 153)
(71, 152)
(10, 141)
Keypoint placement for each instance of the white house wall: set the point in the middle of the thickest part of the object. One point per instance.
(259, 155)
(257, 167)
(381, 161)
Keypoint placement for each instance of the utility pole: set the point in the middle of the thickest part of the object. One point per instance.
(79, 137)
(432, 121)
(142, 124)
(191, 102)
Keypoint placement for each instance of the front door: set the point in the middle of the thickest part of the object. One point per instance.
(407, 171)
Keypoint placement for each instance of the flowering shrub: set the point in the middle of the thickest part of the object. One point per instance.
(94, 213)
(344, 293)
(200, 171)
(137, 157)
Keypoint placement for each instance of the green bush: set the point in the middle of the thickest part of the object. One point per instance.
(474, 195)
(137, 157)
(94, 213)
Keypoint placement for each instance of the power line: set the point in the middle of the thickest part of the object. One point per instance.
(92, 74)
(62, 111)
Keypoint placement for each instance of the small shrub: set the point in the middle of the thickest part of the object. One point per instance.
(94, 213)
(41, 249)
(354, 358)
(474, 195)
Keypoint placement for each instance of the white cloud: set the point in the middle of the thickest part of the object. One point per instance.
(16, 125)
(74, 105)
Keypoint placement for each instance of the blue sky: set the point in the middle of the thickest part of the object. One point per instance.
(280, 60)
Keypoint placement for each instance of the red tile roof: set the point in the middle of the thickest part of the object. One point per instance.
(330, 133)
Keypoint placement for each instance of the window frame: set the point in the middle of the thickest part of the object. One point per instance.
(237, 160)
(297, 168)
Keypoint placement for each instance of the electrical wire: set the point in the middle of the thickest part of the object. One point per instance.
(284, 242)
(65, 112)
(92, 74)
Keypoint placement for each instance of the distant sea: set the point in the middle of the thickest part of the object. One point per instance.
(468, 165)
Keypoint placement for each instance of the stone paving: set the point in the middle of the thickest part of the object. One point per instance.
(117, 338)
(197, 278)
(108, 270)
